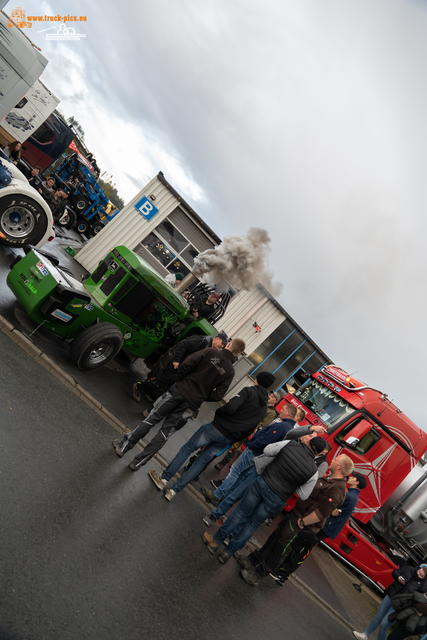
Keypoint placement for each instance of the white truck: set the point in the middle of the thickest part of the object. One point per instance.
(21, 63)
(28, 114)
(25, 217)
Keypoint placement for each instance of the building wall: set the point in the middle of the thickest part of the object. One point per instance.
(246, 308)
(129, 228)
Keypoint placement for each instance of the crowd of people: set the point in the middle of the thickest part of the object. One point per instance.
(276, 458)
(54, 195)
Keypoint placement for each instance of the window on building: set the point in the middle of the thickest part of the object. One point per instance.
(168, 245)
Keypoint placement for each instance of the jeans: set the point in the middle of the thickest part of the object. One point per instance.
(236, 493)
(258, 504)
(243, 463)
(381, 619)
(207, 436)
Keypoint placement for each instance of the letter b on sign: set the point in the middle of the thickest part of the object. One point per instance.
(146, 208)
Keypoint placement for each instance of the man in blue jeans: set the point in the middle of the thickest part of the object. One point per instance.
(243, 471)
(234, 421)
(405, 579)
(293, 469)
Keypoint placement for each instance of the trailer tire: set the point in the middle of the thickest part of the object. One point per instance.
(81, 203)
(83, 226)
(22, 221)
(96, 228)
(96, 346)
(67, 220)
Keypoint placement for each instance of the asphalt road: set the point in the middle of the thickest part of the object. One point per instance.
(92, 550)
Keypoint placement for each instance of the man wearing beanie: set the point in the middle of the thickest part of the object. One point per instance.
(235, 421)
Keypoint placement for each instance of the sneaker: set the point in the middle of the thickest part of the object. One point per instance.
(210, 542)
(229, 539)
(250, 577)
(244, 561)
(220, 465)
(223, 557)
(209, 519)
(134, 467)
(210, 496)
(169, 494)
(279, 579)
(216, 483)
(117, 448)
(136, 392)
(360, 635)
(158, 480)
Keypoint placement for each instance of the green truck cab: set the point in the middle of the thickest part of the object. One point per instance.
(124, 304)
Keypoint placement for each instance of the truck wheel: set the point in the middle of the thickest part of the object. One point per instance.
(66, 220)
(96, 228)
(96, 346)
(83, 226)
(22, 221)
(81, 203)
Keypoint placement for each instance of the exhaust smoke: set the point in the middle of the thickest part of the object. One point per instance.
(240, 262)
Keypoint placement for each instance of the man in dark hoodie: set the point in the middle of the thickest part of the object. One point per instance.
(233, 422)
(203, 376)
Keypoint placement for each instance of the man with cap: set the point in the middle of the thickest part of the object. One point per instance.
(292, 470)
(306, 541)
(204, 376)
(208, 307)
(308, 514)
(235, 421)
(163, 374)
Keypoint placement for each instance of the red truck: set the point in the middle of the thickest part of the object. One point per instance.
(389, 525)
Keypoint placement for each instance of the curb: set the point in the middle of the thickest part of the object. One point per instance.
(36, 353)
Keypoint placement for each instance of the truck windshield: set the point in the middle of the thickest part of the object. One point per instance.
(324, 403)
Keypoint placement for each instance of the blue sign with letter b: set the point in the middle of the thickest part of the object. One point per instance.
(146, 208)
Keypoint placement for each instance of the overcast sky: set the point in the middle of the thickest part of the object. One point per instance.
(305, 118)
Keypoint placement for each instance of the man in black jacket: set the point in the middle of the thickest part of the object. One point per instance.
(233, 422)
(163, 374)
(203, 376)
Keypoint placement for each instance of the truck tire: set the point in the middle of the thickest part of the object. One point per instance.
(83, 226)
(96, 346)
(22, 221)
(96, 228)
(66, 220)
(81, 203)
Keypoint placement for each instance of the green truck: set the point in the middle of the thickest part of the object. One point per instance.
(124, 304)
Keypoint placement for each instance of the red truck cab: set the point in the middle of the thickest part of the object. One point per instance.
(384, 444)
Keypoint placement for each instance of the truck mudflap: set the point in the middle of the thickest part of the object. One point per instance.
(357, 548)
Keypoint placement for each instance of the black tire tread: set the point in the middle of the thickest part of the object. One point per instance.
(89, 338)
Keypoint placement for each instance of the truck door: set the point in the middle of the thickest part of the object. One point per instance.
(376, 455)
